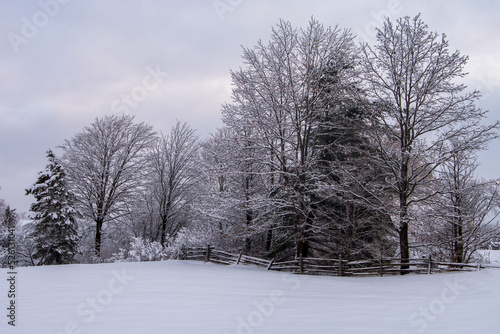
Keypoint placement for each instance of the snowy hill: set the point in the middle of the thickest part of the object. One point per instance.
(193, 297)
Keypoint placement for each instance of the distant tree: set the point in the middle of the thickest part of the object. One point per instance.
(25, 245)
(3, 206)
(55, 231)
(10, 218)
(411, 75)
(464, 216)
(234, 187)
(3, 227)
(174, 171)
(8, 224)
(105, 164)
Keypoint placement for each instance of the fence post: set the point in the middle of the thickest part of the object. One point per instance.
(429, 265)
(270, 264)
(341, 271)
(381, 271)
(207, 258)
(183, 253)
(301, 264)
(239, 258)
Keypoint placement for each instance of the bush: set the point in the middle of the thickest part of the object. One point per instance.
(185, 239)
(145, 250)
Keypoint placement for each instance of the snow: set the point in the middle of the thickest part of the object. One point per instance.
(495, 257)
(490, 257)
(194, 297)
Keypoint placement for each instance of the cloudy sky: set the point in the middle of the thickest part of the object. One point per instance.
(63, 63)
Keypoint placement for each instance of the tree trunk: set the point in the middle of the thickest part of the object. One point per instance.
(164, 220)
(403, 245)
(459, 244)
(403, 203)
(248, 241)
(269, 239)
(98, 235)
(302, 246)
(163, 228)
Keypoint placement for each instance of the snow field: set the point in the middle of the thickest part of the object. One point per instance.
(195, 297)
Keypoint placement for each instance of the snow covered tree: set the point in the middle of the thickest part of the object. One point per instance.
(174, 172)
(55, 231)
(8, 222)
(25, 245)
(2, 209)
(278, 94)
(10, 217)
(233, 188)
(464, 216)
(106, 164)
(412, 76)
(3, 226)
(350, 197)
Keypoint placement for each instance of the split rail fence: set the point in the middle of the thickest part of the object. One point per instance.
(332, 267)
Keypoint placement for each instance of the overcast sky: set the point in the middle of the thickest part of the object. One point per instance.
(64, 63)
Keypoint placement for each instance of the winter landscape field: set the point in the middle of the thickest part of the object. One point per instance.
(196, 297)
(324, 137)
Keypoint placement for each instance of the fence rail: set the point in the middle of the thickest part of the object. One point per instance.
(332, 267)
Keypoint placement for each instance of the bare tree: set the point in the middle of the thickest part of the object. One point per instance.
(412, 77)
(233, 185)
(278, 94)
(464, 216)
(105, 166)
(174, 172)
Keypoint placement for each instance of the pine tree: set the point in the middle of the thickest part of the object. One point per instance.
(10, 217)
(349, 218)
(55, 231)
(8, 221)
(348, 210)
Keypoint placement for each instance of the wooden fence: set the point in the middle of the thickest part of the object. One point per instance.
(332, 267)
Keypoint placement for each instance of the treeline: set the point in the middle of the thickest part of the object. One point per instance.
(328, 149)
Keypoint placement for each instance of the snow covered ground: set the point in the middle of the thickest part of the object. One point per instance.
(491, 257)
(193, 297)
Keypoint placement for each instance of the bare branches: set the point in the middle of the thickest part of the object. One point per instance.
(105, 163)
(413, 76)
(174, 173)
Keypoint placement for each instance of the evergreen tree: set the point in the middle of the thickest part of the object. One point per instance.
(10, 217)
(351, 219)
(349, 211)
(8, 220)
(55, 232)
